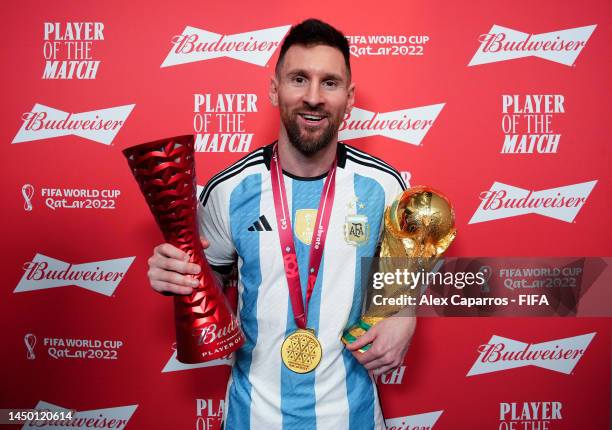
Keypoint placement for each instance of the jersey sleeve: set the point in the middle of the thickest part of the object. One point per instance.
(393, 187)
(213, 222)
(393, 190)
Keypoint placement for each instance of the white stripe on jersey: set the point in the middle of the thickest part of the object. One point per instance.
(265, 375)
(226, 174)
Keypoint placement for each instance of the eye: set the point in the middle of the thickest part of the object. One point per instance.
(330, 84)
(298, 80)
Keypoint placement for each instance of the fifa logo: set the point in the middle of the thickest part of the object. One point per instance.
(486, 272)
(30, 340)
(27, 191)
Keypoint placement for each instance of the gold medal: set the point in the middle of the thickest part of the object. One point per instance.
(301, 351)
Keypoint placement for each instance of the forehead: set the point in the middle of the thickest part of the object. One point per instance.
(317, 60)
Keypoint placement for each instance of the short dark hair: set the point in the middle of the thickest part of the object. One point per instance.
(312, 32)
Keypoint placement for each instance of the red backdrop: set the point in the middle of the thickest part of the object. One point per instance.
(70, 198)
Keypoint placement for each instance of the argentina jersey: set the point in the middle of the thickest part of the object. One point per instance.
(237, 217)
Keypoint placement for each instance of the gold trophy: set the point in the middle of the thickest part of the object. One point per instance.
(419, 228)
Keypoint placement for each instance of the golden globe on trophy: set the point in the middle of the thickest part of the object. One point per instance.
(419, 228)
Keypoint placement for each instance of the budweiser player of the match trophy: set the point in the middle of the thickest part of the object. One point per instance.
(206, 328)
(419, 228)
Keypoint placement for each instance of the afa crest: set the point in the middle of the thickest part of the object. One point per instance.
(356, 229)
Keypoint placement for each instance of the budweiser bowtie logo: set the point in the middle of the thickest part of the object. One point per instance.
(109, 418)
(173, 365)
(101, 277)
(501, 353)
(408, 125)
(44, 122)
(504, 201)
(420, 421)
(501, 44)
(255, 47)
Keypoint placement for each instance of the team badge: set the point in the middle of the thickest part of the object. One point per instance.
(305, 220)
(356, 229)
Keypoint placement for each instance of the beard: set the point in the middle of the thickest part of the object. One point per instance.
(310, 140)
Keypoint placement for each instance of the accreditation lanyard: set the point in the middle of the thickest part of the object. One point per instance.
(285, 233)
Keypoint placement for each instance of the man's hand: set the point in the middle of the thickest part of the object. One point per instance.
(390, 340)
(169, 268)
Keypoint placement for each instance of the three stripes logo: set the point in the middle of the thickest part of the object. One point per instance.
(261, 224)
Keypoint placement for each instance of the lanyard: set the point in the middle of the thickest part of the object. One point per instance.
(285, 233)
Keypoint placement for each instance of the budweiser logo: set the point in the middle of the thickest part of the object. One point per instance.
(255, 47)
(44, 122)
(502, 43)
(501, 353)
(408, 125)
(413, 422)
(101, 277)
(504, 201)
(110, 418)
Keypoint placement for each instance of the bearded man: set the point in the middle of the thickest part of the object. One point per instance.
(297, 216)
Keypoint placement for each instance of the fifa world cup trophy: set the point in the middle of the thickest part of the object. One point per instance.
(206, 328)
(419, 227)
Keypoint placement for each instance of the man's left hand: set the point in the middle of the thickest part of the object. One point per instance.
(390, 339)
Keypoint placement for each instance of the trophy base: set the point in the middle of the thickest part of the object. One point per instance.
(363, 325)
(207, 343)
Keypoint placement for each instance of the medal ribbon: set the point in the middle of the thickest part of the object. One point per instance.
(285, 233)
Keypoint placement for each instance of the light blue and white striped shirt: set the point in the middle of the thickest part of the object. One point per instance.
(238, 219)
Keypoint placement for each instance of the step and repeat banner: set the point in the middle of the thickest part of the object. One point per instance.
(504, 106)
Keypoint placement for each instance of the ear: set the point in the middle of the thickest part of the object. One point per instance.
(273, 91)
(351, 99)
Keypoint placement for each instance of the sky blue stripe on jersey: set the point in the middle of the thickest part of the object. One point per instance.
(359, 389)
(244, 210)
(298, 390)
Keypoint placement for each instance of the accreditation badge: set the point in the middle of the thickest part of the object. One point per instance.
(356, 229)
(301, 351)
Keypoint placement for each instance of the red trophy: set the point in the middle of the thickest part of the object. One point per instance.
(206, 328)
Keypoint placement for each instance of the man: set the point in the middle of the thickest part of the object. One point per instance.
(324, 184)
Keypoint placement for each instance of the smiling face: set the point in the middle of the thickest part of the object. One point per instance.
(313, 91)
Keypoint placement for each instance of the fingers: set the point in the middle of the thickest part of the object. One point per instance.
(384, 369)
(205, 243)
(170, 251)
(159, 261)
(363, 340)
(367, 357)
(376, 362)
(156, 274)
(167, 288)
(165, 280)
(170, 270)
(382, 364)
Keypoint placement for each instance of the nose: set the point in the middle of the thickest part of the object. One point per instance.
(313, 96)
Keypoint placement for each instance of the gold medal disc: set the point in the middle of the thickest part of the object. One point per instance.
(301, 351)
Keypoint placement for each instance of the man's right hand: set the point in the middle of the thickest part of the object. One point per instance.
(169, 270)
